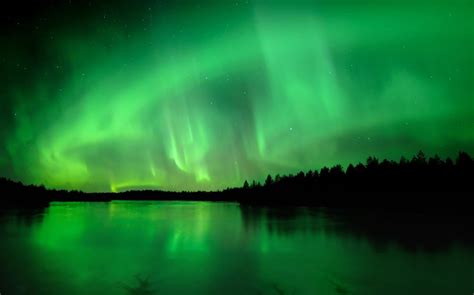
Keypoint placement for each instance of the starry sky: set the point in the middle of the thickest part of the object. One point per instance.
(201, 95)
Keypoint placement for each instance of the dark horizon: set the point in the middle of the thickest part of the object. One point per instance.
(399, 180)
(261, 182)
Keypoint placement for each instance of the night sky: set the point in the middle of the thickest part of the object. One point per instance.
(117, 95)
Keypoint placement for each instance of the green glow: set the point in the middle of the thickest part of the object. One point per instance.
(221, 248)
(205, 97)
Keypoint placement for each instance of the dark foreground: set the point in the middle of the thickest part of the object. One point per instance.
(164, 247)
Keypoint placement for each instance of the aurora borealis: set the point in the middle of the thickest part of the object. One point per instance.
(117, 95)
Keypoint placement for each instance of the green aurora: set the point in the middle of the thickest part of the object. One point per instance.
(203, 95)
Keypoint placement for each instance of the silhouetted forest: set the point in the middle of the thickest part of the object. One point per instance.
(418, 181)
(410, 180)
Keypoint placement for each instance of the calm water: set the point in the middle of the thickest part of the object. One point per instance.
(223, 248)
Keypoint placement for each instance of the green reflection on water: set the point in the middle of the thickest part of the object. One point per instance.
(217, 248)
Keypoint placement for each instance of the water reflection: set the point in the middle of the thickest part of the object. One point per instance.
(143, 287)
(421, 230)
(222, 248)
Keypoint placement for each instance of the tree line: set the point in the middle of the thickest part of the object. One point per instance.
(418, 181)
(418, 174)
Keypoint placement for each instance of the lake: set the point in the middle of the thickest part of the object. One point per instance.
(226, 248)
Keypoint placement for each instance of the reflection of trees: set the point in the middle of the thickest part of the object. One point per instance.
(410, 230)
(142, 287)
(26, 215)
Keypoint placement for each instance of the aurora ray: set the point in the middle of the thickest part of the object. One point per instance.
(204, 95)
